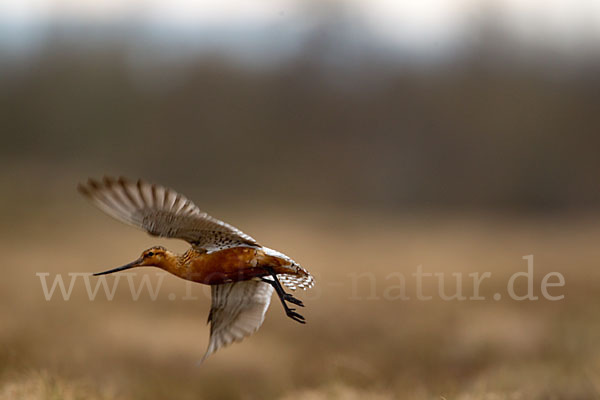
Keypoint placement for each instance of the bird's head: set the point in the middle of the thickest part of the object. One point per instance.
(155, 256)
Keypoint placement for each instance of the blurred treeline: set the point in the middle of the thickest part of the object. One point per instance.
(497, 126)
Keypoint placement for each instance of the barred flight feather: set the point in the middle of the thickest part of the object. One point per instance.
(163, 212)
(237, 311)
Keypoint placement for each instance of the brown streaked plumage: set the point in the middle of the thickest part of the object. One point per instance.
(241, 272)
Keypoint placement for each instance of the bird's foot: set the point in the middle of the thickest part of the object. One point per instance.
(294, 315)
(292, 299)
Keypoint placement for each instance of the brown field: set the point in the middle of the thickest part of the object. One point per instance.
(360, 163)
(352, 347)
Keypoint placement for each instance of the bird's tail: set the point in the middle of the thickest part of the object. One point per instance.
(302, 279)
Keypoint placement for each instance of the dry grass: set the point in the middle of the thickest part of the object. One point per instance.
(350, 349)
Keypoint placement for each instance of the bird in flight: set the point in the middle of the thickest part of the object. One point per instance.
(242, 273)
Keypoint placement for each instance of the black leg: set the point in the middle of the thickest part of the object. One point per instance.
(280, 290)
(283, 297)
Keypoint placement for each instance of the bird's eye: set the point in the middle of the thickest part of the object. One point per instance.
(149, 254)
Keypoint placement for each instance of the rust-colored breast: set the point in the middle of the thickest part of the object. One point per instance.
(230, 265)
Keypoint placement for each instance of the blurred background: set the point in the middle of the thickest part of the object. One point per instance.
(354, 136)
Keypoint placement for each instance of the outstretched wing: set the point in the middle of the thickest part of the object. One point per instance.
(162, 212)
(237, 310)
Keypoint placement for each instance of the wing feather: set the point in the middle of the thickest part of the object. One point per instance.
(163, 212)
(237, 311)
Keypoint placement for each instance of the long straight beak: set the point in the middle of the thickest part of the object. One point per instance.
(133, 264)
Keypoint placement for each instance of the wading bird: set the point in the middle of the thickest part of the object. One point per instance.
(241, 272)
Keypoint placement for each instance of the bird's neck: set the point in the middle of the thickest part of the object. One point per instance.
(179, 265)
(186, 258)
